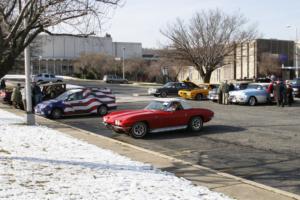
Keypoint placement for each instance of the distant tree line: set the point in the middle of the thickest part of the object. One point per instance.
(95, 66)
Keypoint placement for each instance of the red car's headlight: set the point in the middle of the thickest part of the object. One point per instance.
(118, 122)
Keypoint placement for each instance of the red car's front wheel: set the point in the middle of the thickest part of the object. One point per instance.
(139, 130)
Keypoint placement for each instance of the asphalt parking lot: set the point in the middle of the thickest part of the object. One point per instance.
(259, 143)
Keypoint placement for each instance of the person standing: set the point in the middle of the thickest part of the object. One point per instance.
(16, 96)
(270, 91)
(220, 93)
(2, 84)
(225, 92)
(281, 92)
(277, 93)
(36, 94)
(289, 94)
(231, 87)
(23, 93)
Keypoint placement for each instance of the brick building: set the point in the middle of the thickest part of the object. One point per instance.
(246, 61)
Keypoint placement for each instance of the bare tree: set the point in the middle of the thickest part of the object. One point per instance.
(94, 66)
(269, 65)
(44, 16)
(207, 39)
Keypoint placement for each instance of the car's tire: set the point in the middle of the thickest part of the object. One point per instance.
(163, 94)
(195, 124)
(199, 97)
(139, 130)
(56, 113)
(59, 81)
(156, 95)
(252, 101)
(102, 110)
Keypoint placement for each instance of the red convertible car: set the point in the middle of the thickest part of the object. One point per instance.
(160, 115)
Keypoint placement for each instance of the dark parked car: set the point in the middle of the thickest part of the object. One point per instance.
(296, 86)
(114, 79)
(171, 88)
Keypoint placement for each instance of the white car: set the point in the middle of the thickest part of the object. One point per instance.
(254, 94)
(44, 77)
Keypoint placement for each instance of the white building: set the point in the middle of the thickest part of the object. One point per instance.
(56, 54)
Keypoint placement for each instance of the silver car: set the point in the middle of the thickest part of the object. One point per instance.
(255, 93)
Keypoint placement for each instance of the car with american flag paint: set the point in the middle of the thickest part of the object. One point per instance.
(82, 101)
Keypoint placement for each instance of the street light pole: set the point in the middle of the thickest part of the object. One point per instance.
(296, 54)
(296, 51)
(30, 120)
(40, 58)
(123, 62)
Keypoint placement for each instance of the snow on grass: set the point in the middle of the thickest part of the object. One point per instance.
(40, 163)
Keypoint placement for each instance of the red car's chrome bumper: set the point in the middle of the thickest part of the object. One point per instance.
(116, 128)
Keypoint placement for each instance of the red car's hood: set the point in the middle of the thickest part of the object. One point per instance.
(124, 114)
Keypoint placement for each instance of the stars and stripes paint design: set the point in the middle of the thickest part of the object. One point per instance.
(80, 101)
(92, 98)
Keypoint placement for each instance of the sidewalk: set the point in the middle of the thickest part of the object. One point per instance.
(232, 186)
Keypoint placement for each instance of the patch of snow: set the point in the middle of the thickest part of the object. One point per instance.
(40, 163)
(70, 86)
(67, 77)
(14, 76)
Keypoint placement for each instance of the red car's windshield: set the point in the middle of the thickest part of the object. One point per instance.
(157, 105)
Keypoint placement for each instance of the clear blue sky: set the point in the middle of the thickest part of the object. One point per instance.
(141, 20)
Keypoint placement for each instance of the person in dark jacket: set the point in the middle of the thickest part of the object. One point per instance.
(231, 87)
(2, 84)
(220, 93)
(280, 91)
(277, 93)
(289, 94)
(36, 94)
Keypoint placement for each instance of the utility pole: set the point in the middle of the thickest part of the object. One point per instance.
(123, 62)
(296, 54)
(30, 120)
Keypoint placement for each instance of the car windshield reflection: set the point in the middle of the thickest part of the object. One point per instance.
(65, 95)
(168, 85)
(158, 105)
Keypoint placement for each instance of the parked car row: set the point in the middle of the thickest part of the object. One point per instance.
(185, 89)
(244, 92)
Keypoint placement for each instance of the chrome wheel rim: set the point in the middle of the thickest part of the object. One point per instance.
(252, 101)
(139, 129)
(102, 110)
(196, 124)
(56, 114)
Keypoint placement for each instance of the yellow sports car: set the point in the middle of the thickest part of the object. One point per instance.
(198, 93)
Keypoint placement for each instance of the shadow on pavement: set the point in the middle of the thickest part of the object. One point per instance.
(212, 129)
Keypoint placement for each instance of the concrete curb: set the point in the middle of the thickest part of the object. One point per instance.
(248, 182)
